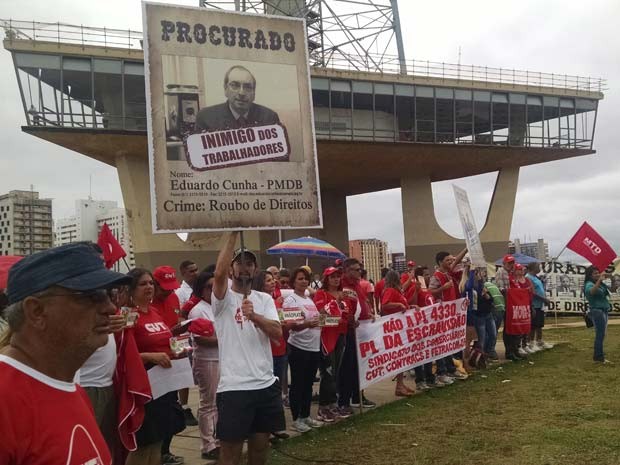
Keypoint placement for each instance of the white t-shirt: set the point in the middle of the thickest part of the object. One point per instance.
(98, 370)
(184, 293)
(204, 310)
(310, 338)
(245, 352)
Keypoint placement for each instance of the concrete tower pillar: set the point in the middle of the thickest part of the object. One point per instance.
(423, 235)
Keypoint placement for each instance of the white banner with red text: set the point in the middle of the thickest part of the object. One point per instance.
(402, 341)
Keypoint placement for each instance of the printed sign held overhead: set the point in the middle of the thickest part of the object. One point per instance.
(472, 239)
(231, 135)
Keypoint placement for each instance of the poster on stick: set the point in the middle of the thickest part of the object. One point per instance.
(472, 239)
(230, 124)
(402, 341)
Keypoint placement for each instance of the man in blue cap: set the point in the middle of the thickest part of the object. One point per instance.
(58, 315)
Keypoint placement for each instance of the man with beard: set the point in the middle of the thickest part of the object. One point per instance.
(249, 397)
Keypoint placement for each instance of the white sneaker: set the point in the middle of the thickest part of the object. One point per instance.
(522, 352)
(311, 422)
(528, 350)
(445, 379)
(544, 345)
(534, 347)
(300, 426)
(458, 375)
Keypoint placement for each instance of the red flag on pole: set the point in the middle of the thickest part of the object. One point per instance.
(591, 246)
(112, 250)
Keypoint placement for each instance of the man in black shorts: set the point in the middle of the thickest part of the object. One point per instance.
(249, 398)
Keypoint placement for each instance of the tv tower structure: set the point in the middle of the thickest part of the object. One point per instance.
(363, 35)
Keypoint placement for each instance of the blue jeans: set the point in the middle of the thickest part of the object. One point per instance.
(280, 365)
(486, 331)
(445, 366)
(599, 318)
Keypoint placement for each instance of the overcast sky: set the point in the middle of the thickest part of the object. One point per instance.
(556, 36)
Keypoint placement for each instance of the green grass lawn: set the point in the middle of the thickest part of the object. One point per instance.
(561, 408)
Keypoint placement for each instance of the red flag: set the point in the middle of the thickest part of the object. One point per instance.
(591, 246)
(112, 250)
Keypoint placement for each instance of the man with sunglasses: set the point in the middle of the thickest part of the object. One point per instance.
(355, 298)
(239, 110)
(59, 314)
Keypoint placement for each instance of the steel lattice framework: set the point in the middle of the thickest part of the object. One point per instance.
(363, 33)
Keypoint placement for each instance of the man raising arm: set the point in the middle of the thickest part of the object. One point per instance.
(249, 398)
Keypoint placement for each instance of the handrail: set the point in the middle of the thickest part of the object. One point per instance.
(128, 39)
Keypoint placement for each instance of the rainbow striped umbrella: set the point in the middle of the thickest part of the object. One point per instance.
(307, 247)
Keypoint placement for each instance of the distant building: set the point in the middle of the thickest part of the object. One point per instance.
(116, 219)
(399, 262)
(25, 223)
(372, 253)
(85, 225)
(538, 249)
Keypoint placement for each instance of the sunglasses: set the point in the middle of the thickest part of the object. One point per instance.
(97, 296)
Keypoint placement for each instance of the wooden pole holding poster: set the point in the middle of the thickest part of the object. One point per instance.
(243, 279)
(553, 260)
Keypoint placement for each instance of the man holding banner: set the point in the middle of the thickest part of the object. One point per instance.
(353, 295)
(444, 287)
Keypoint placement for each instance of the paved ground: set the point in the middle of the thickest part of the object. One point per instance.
(187, 444)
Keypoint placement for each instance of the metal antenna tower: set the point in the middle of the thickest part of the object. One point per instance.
(359, 34)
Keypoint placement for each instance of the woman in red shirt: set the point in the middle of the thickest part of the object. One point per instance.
(328, 300)
(522, 282)
(393, 301)
(163, 417)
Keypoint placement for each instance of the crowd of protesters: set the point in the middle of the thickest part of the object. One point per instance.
(249, 362)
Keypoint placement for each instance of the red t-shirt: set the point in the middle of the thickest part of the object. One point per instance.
(191, 303)
(366, 287)
(330, 334)
(169, 309)
(391, 295)
(354, 294)
(44, 421)
(410, 291)
(525, 284)
(425, 298)
(450, 293)
(277, 350)
(151, 332)
(379, 289)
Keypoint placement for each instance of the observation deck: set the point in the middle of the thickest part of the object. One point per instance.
(83, 88)
(79, 83)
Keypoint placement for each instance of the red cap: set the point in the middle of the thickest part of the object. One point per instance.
(508, 258)
(331, 270)
(518, 266)
(166, 278)
(411, 264)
